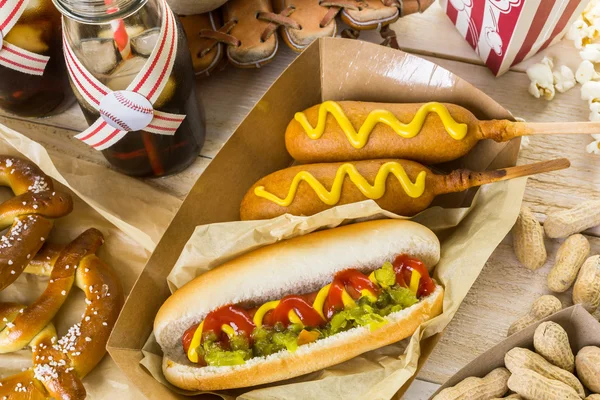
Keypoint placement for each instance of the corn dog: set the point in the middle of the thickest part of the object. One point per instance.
(400, 186)
(430, 133)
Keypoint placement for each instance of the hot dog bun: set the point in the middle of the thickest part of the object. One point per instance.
(298, 265)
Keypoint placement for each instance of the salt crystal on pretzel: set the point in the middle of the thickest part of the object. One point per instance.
(33, 202)
(59, 364)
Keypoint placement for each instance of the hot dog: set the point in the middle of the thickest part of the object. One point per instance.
(300, 305)
(400, 186)
(430, 133)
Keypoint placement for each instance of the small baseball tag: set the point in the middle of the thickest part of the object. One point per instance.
(125, 110)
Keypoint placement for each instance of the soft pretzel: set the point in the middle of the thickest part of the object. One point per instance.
(27, 214)
(44, 260)
(59, 364)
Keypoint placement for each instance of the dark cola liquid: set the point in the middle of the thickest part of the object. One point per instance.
(38, 30)
(145, 154)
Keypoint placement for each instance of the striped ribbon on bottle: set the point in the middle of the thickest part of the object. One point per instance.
(148, 83)
(12, 56)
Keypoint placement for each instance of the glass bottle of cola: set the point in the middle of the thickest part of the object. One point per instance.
(37, 30)
(113, 40)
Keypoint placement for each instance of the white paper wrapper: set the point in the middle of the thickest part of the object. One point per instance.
(131, 215)
(468, 236)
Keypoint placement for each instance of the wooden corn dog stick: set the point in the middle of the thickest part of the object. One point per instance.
(430, 133)
(463, 179)
(400, 186)
(556, 128)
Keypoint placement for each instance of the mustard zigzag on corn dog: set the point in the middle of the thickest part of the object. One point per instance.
(287, 191)
(332, 197)
(359, 139)
(313, 136)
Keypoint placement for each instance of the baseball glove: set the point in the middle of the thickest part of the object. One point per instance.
(207, 51)
(249, 27)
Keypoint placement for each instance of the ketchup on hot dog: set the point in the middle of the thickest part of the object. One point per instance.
(238, 318)
(234, 316)
(187, 337)
(347, 285)
(404, 265)
(349, 278)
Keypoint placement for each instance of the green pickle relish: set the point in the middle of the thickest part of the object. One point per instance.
(265, 340)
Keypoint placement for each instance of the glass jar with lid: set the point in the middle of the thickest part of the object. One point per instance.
(28, 86)
(113, 41)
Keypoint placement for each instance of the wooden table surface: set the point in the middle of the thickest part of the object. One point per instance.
(504, 290)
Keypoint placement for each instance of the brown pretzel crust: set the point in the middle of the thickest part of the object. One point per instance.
(22, 386)
(105, 298)
(44, 260)
(48, 204)
(34, 201)
(60, 364)
(8, 312)
(52, 367)
(21, 243)
(84, 345)
(39, 314)
(23, 176)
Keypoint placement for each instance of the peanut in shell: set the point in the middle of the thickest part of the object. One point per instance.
(575, 220)
(528, 240)
(492, 385)
(542, 307)
(586, 290)
(519, 358)
(569, 259)
(587, 363)
(533, 386)
(551, 341)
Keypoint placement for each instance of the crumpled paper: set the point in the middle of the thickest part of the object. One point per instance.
(468, 236)
(131, 215)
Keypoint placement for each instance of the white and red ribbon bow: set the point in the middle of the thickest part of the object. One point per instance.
(149, 83)
(11, 56)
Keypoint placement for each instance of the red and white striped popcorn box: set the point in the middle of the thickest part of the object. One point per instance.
(505, 32)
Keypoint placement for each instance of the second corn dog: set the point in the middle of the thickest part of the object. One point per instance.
(400, 186)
